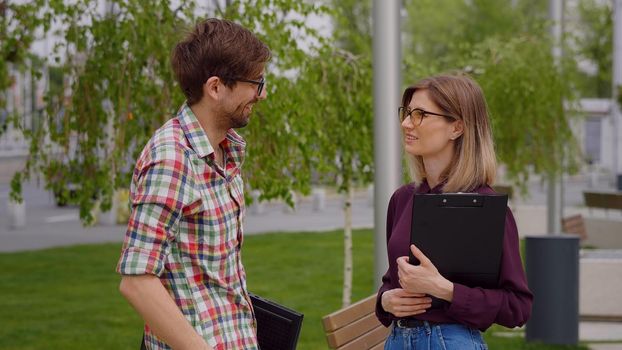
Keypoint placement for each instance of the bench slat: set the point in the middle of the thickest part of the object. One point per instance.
(606, 200)
(352, 330)
(367, 341)
(379, 346)
(573, 220)
(574, 224)
(353, 312)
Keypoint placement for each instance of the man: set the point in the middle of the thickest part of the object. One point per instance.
(180, 262)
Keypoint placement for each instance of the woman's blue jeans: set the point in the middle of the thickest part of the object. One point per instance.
(447, 336)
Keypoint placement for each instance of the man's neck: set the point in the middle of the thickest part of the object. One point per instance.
(215, 132)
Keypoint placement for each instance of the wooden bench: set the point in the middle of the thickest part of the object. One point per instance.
(604, 200)
(574, 224)
(355, 327)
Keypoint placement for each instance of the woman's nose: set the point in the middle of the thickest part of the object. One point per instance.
(407, 123)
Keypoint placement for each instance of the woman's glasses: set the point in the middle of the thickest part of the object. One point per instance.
(416, 115)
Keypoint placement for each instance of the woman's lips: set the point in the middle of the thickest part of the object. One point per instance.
(410, 138)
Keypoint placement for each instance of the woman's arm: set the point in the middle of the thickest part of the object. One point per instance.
(384, 316)
(509, 305)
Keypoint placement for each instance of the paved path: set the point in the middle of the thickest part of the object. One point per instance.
(50, 226)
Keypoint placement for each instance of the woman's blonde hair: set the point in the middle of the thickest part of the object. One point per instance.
(474, 162)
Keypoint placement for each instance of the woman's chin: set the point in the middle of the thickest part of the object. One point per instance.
(413, 151)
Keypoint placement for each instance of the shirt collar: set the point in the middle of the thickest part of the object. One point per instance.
(234, 147)
(194, 132)
(233, 144)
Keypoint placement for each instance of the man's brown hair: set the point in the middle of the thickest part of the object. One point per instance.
(217, 47)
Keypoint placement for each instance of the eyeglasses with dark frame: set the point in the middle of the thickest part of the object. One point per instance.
(260, 83)
(416, 115)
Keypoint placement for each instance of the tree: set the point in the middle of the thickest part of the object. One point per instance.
(506, 47)
(119, 88)
(320, 121)
(338, 101)
(593, 39)
(115, 69)
(530, 103)
(282, 141)
(18, 24)
(352, 25)
(343, 108)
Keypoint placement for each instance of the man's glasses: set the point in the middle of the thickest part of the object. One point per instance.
(260, 83)
(416, 115)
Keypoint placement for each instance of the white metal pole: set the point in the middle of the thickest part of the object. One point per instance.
(617, 81)
(387, 145)
(554, 181)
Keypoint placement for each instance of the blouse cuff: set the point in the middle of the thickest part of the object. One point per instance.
(383, 316)
(461, 301)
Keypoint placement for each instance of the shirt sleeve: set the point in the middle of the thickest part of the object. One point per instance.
(159, 189)
(383, 316)
(510, 304)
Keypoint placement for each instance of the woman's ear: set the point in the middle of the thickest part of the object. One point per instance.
(458, 129)
(212, 88)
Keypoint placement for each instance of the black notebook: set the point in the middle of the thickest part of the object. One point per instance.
(278, 327)
(462, 234)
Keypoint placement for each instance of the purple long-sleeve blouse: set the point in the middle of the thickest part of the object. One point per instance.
(508, 305)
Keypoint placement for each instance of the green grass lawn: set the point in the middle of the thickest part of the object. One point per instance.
(67, 298)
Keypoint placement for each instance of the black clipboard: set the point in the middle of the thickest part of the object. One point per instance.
(278, 327)
(462, 234)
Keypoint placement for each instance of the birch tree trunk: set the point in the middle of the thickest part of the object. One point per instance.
(347, 248)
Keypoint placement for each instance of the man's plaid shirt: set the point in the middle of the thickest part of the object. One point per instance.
(186, 228)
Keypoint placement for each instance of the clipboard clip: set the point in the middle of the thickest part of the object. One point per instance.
(461, 200)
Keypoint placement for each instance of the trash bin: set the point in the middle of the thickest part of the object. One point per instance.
(552, 266)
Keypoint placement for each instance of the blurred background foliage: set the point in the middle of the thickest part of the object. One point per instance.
(111, 84)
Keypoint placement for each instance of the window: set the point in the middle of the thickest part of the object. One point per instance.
(592, 139)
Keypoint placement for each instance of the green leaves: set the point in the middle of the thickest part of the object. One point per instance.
(506, 47)
(315, 126)
(115, 86)
(16, 188)
(526, 92)
(592, 36)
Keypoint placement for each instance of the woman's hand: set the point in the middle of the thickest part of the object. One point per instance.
(402, 303)
(423, 278)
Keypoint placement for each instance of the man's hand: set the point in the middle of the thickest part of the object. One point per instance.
(423, 278)
(402, 303)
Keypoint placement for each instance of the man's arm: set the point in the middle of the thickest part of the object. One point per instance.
(149, 297)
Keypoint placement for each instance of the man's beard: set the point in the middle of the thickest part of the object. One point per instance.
(239, 117)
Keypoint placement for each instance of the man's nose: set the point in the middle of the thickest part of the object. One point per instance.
(264, 94)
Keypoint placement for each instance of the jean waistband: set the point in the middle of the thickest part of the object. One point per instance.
(412, 323)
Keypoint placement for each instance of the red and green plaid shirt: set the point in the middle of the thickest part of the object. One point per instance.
(186, 228)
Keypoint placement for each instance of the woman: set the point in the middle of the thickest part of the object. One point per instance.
(447, 138)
